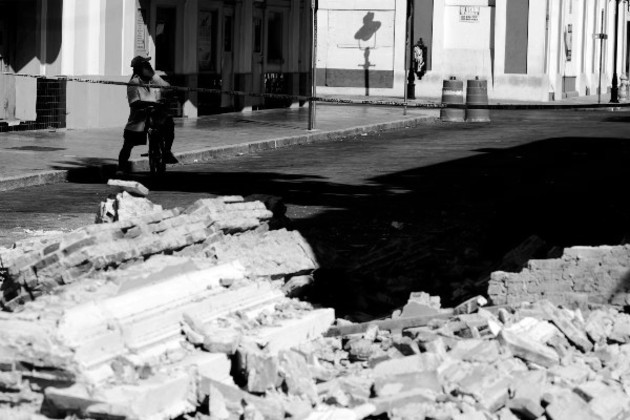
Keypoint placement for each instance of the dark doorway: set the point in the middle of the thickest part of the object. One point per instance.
(165, 23)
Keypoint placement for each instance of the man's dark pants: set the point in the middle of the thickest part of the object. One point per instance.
(139, 138)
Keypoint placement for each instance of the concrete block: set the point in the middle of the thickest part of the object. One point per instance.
(297, 378)
(132, 187)
(159, 396)
(418, 363)
(361, 349)
(289, 333)
(259, 369)
(568, 406)
(621, 329)
(534, 329)
(233, 399)
(385, 386)
(333, 413)
(384, 405)
(567, 325)
(529, 350)
(599, 325)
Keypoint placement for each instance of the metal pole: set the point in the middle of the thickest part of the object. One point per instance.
(411, 85)
(601, 60)
(312, 112)
(614, 91)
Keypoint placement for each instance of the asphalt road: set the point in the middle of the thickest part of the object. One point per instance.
(431, 208)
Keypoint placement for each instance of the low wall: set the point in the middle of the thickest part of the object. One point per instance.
(581, 275)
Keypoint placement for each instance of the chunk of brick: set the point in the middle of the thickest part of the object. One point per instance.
(259, 369)
(387, 404)
(417, 363)
(563, 321)
(568, 406)
(599, 325)
(213, 339)
(487, 384)
(534, 329)
(529, 350)
(297, 378)
(476, 350)
(621, 329)
(385, 386)
(233, 399)
(132, 187)
(605, 401)
(529, 385)
(471, 305)
(346, 390)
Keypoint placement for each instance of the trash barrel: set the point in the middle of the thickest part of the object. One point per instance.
(477, 94)
(452, 94)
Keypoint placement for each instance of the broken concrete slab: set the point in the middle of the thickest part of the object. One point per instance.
(567, 405)
(132, 187)
(528, 350)
(571, 327)
(235, 400)
(386, 386)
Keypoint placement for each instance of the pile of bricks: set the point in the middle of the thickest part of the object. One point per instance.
(154, 314)
(134, 316)
(137, 229)
(530, 361)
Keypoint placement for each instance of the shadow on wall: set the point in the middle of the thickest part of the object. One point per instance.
(24, 49)
(20, 24)
(364, 34)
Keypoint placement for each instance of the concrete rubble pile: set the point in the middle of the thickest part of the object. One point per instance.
(140, 315)
(185, 314)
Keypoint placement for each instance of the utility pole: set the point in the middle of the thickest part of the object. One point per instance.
(602, 37)
(411, 85)
(311, 103)
(614, 91)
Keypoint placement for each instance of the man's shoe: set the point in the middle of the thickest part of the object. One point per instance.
(169, 158)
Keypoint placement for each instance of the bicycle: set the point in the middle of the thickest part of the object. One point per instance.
(157, 144)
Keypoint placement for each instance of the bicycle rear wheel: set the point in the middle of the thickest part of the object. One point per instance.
(157, 166)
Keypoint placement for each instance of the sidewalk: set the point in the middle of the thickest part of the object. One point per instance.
(576, 100)
(44, 157)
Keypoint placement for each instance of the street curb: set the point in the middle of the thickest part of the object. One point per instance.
(210, 153)
(40, 178)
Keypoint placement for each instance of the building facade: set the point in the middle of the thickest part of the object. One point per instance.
(526, 49)
(260, 46)
(533, 50)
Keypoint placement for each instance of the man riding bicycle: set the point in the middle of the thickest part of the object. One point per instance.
(143, 99)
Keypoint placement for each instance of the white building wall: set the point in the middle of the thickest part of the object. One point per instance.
(339, 52)
(466, 50)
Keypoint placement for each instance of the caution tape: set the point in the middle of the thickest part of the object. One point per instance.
(340, 101)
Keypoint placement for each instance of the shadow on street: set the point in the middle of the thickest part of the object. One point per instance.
(442, 227)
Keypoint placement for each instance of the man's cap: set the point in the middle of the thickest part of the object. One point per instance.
(137, 60)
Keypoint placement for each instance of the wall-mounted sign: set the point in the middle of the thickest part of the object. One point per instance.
(141, 45)
(469, 14)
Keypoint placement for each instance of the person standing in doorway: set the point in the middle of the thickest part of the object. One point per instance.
(143, 94)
